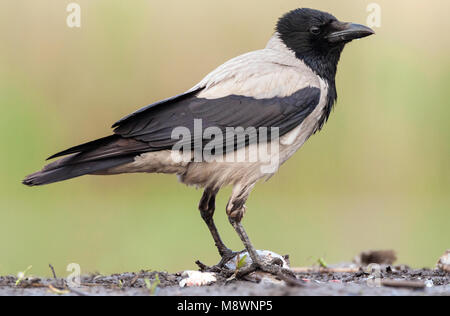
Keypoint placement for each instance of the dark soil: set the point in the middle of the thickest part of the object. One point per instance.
(399, 280)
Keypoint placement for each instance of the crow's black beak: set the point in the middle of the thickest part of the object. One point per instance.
(346, 32)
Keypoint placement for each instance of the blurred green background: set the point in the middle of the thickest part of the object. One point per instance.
(377, 176)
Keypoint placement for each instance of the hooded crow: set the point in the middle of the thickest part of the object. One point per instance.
(288, 88)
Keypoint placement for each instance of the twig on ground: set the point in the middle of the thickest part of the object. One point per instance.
(55, 290)
(134, 280)
(404, 284)
(324, 270)
(53, 271)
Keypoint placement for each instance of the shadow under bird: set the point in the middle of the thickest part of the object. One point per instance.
(288, 85)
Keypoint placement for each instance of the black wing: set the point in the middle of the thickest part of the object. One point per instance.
(154, 124)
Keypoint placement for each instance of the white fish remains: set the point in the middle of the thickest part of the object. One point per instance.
(197, 278)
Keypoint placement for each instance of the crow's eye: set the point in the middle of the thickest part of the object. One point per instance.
(314, 30)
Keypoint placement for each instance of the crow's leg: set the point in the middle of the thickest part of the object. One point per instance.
(235, 211)
(207, 207)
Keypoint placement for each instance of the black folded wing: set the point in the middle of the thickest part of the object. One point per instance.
(154, 124)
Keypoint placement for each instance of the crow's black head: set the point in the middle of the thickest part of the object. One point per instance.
(318, 38)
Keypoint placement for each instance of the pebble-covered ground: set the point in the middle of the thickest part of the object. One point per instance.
(389, 280)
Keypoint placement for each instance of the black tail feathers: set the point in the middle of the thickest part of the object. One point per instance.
(65, 172)
(88, 158)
